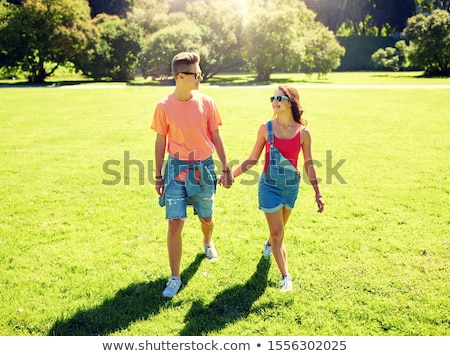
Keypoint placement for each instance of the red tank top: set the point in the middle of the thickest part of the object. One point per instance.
(288, 148)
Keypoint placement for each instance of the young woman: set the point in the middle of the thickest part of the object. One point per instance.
(283, 137)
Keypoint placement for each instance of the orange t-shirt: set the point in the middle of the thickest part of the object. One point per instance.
(188, 126)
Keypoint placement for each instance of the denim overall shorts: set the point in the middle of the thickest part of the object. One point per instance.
(278, 187)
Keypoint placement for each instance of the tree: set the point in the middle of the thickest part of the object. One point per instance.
(114, 46)
(40, 35)
(160, 48)
(284, 36)
(429, 38)
(322, 52)
(150, 15)
(221, 25)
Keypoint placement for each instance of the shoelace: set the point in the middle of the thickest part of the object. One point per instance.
(172, 283)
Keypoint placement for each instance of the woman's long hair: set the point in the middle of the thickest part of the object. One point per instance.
(297, 110)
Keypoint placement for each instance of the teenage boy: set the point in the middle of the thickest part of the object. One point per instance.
(187, 126)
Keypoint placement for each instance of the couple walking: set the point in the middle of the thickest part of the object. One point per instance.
(187, 127)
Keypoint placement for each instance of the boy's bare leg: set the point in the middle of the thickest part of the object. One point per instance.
(174, 245)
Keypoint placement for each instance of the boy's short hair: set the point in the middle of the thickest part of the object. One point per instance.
(182, 61)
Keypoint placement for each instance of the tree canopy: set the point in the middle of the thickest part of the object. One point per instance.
(221, 29)
(113, 38)
(40, 35)
(284, 36)
(430, 42)
(112, 50)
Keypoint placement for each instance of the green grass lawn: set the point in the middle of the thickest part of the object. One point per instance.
(79, 257)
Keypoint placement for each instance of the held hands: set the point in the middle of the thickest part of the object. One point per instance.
(226, 179)
(320, 203)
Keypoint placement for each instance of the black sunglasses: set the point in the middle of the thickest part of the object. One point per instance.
(197, 74)
(278, 98)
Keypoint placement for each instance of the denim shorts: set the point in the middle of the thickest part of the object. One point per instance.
(274, 194)
(177, 200)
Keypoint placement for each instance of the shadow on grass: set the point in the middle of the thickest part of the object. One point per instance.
(215, 81)
(229, 306)
(136, 302)
(251, 81)
(401, 75)
(46, 84)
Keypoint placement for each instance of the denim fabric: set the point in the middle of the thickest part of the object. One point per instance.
(278, 187)
(177, 195)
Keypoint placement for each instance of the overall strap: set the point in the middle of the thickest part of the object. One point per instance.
(269, 129)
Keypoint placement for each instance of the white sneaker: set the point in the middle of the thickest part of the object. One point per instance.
(210, 252)
(267, 251)
(172, 287)
(286, 284)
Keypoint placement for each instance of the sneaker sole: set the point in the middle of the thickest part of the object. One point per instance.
(170, 295)
(285, 290)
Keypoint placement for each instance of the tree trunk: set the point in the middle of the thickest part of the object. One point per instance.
(263, 75)
(39, 74)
